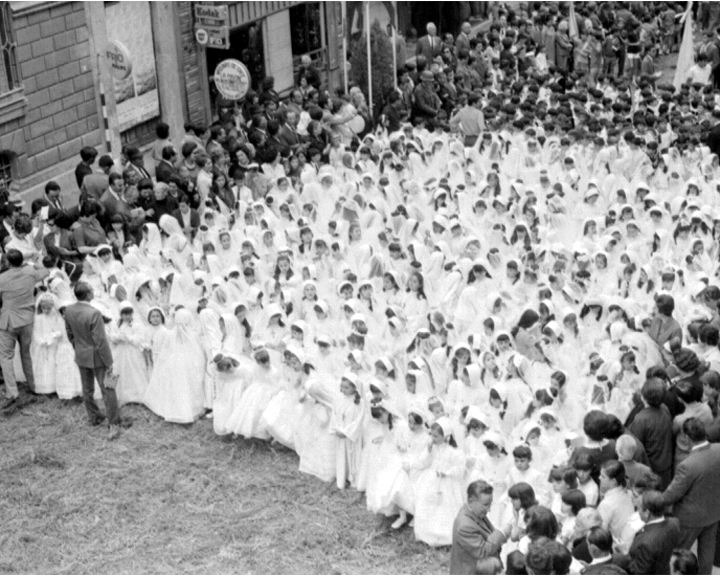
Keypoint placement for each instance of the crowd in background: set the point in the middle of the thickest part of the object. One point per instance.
(491, 304)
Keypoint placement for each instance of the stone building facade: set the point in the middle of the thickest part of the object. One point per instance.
(48, 108)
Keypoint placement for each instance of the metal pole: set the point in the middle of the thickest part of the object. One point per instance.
(369, 57)
(344, 44)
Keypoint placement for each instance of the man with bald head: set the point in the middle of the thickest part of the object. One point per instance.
(430, 45)
(463, 39)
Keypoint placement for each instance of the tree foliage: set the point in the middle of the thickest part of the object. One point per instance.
(382, 63)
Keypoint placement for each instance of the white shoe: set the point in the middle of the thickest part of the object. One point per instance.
(400, 521)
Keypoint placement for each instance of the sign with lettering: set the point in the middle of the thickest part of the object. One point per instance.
(232, 79)
(213, 36)
(216, 13)
(118, 58)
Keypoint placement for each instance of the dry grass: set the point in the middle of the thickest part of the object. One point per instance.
(174, 499)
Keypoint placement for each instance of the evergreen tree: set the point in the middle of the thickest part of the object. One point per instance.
(382, 64)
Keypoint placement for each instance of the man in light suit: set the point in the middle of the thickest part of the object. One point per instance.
(694, 494)
(95, 184)
(86, 330)
(429, 46)
(17, 292)
(474, 536)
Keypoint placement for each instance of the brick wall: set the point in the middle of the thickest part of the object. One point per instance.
(53, 55)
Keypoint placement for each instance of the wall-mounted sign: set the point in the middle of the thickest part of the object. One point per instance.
(213, 36)
(232, 79)
(201, 36)
(118, 58)
(205, 12)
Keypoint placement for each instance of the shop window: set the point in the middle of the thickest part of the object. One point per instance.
(8, 65)
(306, 28)
(6, 172)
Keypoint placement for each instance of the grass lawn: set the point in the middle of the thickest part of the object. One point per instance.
(177, 499)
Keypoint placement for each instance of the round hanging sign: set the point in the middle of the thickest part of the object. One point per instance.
(232, 79)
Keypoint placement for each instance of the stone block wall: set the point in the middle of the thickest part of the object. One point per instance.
(53, 57)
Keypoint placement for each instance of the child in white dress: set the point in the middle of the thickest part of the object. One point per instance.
(48, 331)
(439, 489)
(129, 360)
(175, 392)
(346, 425)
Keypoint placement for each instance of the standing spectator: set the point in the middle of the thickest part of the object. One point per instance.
(86, 332)
(162, 131)
(653, 428)
(690, 393)
(469, 120)
(429, 46)
(463, 39)
(427, 102)
(695, 495)
(94, 185)
(165, 169)
(652, 546)
(17, 291)
(563, 48)
(84, 168)
(474, 536)
(309, 72)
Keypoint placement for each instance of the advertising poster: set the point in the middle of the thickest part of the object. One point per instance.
(137, 97)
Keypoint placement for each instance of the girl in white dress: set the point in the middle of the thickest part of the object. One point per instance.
(283, 411)
(175, 392)
(154, 336)
(248, 404)
(439, 489)
(129, 359)
(346, 425)
(229, 387)
(48, 331)
(315, 445)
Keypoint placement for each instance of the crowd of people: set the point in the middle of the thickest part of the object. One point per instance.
(493, 306)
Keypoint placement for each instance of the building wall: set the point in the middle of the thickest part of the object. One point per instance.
(191, 53)
(53, 56)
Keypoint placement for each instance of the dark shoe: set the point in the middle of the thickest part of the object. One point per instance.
(9, 403)
(97, 421)
(114, 433)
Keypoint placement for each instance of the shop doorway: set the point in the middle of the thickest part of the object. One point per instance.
(246, 45)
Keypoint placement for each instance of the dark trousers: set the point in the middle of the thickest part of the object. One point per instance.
(706, 539)
(8, 339)
(88, 376)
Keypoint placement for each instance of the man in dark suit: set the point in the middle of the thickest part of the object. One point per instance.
(427, 102)
(86, 330)
(17, 293)
(474, 536)
(651, 550)
(166, 167)
(188, 218)
(600, 545)
(694, 494)
(288, 136)
(429, 46)
(84, 168)
(64, 216)
(463, 39)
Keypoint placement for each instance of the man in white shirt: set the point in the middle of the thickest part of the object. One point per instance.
(700, 72)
